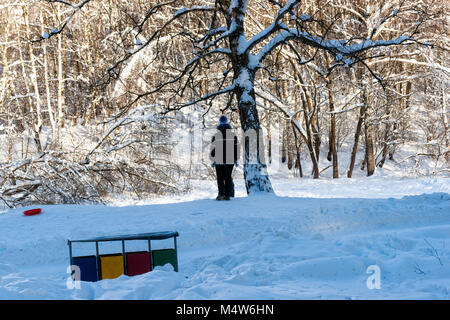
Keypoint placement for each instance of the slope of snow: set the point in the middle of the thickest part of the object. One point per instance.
(314, 239)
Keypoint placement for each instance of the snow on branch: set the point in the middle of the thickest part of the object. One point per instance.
(224, 35)
(209, 34)
(274, 27)
(338, 48)
(436, 66)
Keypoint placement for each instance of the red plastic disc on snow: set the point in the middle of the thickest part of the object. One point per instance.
(32, 212)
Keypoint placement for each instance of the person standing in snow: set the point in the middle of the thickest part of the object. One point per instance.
(224, 154)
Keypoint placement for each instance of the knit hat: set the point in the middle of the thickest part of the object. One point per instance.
(223, 120)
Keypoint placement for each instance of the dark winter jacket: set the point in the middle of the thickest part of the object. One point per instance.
(224, 145)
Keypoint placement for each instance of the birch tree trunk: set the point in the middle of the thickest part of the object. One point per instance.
(60, 82)
(37, 126)
(47, 82)
(445, 123)
(284, 142)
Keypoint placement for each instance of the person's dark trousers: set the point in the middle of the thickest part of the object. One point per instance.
(224, 181)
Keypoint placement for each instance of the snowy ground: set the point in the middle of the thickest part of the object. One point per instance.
(314, 240)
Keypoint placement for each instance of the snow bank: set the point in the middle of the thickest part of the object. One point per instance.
(300, 243)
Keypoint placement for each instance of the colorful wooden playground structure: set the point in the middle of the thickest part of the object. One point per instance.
(109, 266)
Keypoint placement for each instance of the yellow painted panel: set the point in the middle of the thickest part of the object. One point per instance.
(111, 266)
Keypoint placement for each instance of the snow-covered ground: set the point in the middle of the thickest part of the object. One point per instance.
(314, 239)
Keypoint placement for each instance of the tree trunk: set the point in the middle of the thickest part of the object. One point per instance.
(387, 135)
(37, 126)
(284, 142)
(269, 139)
(289, 146)
(255, 168)
(368, 132)
(47, 81)
(445, 123)
(312, 121)
(312, 145)
(385, 146)
(355, 144)
(298, 163)
(333, 148)
(61, 114)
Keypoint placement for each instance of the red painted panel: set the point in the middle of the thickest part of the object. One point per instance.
(138, 263)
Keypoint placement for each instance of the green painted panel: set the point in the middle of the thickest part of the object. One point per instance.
(164, 256)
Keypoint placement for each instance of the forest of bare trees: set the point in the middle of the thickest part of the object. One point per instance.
(91, 91)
